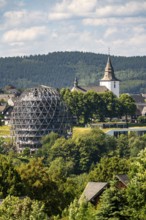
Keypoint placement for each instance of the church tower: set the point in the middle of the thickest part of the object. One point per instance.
(109, 80)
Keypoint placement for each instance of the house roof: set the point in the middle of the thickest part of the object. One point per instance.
(123, 178)
(92, 190)
(138, 98)
(109, 74)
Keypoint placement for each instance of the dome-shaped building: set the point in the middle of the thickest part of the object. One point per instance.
(37, 112)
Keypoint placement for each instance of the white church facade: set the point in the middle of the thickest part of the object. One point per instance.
(108, 83)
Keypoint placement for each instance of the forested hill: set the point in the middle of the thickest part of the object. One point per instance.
(59, 69)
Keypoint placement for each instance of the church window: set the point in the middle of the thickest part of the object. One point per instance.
(114, 84)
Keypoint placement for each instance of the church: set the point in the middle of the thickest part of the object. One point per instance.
(108, 83)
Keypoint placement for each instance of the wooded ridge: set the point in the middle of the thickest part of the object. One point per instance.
(58, 69)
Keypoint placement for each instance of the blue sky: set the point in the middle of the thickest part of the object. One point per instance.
(29, 27)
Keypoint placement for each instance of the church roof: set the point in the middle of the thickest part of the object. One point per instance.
(109, 72)
(92, 88)
(78, 88)
(97, 88)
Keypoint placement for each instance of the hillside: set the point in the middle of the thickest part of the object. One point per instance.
(59, 69)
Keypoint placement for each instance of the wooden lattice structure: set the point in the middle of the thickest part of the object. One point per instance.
(37, 112)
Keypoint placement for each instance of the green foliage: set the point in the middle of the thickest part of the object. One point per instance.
(47, 142)
(75, 185)
(107, 168)
(141, 119)
(10, 182)
(136, 144)
(2, 148)
(1, 116)
(136, 191)
(6, 146)
(123, 146)
(82, 151)
(64, 66)
(91, 106)
(39, 186)
(26, 152)
(60, 169)
(76, 103)
(83, 211)
(112, 105)
(128, 105)
(22, 209)
(112, 204)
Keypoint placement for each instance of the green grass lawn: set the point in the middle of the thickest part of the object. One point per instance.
(80, 130)
(5, 130)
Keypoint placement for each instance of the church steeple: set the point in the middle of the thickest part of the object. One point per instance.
(109, 80)
(109, 74)
(75, 82)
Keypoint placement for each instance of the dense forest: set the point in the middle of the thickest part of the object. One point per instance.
(49, 183)
(59, 69)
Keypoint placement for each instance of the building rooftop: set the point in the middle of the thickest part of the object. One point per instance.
(138, 98)
(92, 190)
(123, 178)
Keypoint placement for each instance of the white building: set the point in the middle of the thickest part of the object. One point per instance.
(109, 80)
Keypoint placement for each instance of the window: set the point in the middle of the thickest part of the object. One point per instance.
(114, 84)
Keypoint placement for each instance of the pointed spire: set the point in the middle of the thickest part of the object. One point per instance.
(109, 71)
(75, 82)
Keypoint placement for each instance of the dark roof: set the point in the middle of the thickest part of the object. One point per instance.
(109, 72)
(97, 88)
(78, 89)
(138, 98)
(92, 88)
(123, 178)
(92, 190)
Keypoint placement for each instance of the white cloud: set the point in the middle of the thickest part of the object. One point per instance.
(2, 3)
(20, 35)
(69, 8)
(99, 9)
(138, 40)
(131, 8)
(15, 18)
(110, 21)
(110, 32)
(86, 25)
(81, 6)
(58, 16)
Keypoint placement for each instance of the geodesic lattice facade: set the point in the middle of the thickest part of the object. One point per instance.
(37, 112)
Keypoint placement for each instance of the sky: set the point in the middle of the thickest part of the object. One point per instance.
(30, 27)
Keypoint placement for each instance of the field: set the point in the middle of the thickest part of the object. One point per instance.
(4, 131)
(80, 130)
